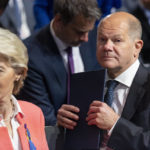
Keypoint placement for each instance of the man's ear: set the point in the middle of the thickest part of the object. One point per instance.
(138, 47)
(58, 24)
(58, 19)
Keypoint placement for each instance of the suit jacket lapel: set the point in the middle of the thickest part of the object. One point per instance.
(5, 142)
(50, 48)
(136, 93)
(5, 139)
(88, 52)
(22, 133)
(85, 54)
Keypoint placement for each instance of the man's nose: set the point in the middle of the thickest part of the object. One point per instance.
(108, 45)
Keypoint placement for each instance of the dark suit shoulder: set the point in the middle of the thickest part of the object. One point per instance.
(41, 45)
(41, 37)
(142, 76)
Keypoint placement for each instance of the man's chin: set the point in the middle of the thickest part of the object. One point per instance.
(107, 65)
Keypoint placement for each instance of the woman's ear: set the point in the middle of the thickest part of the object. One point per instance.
(18, 77)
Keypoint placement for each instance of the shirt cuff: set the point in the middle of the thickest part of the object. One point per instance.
(111, 130)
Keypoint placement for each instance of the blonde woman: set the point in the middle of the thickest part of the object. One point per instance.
(21, 123)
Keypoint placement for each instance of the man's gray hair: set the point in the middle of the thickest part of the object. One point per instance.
(68, 9)
(135, 28)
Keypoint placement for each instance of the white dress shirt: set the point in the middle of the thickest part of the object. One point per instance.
(78, 63)
(15, 124)
(125, 80)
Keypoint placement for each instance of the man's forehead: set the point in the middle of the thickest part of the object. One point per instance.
(113, 25)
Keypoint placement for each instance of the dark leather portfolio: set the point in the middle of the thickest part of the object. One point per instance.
(84, 88)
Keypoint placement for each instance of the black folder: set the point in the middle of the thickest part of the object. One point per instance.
(84, 88)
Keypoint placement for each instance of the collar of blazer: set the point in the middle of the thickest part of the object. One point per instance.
(136, 93)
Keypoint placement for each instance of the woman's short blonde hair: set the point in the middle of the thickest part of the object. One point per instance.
(13, 49)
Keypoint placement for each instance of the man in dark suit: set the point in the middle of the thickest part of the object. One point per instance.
(46, 83)
(126, 121)
(142, 12)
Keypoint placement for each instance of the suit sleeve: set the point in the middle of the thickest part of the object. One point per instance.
(35, 91)
(127, 135)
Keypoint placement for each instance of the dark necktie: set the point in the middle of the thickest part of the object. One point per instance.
(70, 70)
(111, 84)
(70, 60)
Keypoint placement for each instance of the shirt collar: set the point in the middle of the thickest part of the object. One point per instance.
(17, 108)
(126, 78)
(60, 44)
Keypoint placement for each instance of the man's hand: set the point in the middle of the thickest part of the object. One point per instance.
(101, 115)
(67, 116)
